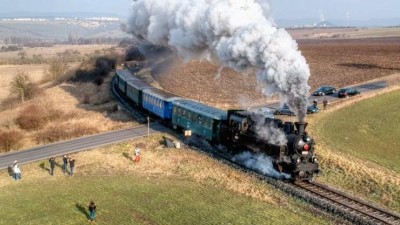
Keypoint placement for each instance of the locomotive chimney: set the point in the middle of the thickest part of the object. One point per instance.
(300, 126)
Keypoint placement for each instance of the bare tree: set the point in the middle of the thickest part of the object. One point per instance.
(56, 69)
(22, 56)
(23, 87)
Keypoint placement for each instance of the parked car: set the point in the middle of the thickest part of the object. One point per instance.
(267, 112)
(346, 92)
(324, 90)
(312, 109)
(284, 110)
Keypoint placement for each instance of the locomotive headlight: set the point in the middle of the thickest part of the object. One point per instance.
(306, 138)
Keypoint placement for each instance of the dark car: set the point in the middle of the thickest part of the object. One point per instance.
(312, 109)
(324, 90)
(284, 110)
(346, 92)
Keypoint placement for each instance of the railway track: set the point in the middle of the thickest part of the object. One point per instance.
(357, 210)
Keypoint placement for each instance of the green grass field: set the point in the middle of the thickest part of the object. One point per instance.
(135, 200)
(169, 186)
(369, 130)
(358, 148)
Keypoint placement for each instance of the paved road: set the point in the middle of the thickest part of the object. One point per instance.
(363, 88)
(79, 144)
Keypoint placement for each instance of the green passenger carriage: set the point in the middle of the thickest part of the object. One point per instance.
(197, 118)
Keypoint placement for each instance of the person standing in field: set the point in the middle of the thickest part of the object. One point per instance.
(52, 162)
(137, 154)
(92, 211)
(65, 160)
(16, 171)
(325, 103)
(315, 103)
(71, 165)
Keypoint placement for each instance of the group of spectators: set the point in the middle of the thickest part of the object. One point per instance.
(16, 173)
(66, 160)
(324, 103)
(16, 170)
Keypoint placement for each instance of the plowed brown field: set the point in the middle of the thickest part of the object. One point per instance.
(332, 62)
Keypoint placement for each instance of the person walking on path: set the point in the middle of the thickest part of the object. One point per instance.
(325, 103)
(71, 165)
(92, 211)
(65, 160)
(16, 171)
(52, 162)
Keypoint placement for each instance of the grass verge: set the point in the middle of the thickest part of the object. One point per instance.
(358, 147)
(169, 186)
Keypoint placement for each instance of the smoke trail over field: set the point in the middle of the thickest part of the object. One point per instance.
(238, 34)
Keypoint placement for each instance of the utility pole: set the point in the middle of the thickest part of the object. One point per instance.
(148, 127)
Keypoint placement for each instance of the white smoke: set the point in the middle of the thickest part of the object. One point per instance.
(238, 34)
(260, 163)
(271, 134)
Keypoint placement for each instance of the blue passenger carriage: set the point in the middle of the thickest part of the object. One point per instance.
(198, 118)
(131, 86)
(158, 102)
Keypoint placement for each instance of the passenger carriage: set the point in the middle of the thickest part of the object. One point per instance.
(131, 86)
(158, 102)
(198, 118)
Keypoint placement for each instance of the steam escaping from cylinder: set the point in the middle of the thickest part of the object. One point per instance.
(260, 163)
(237, 34)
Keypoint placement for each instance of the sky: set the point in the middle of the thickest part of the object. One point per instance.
(281, 9)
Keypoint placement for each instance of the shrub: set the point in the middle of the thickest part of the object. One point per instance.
(22, 87)
(86, 98)
(10, 140)
(95, 71)
(32, 117)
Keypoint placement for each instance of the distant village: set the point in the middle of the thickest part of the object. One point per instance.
(87, 22)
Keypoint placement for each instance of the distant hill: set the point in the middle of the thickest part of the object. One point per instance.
(313, 22)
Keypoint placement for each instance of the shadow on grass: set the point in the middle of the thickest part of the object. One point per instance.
(59, 165)
(41, 165)
(10, 171)
(126, 155)
(82, 209)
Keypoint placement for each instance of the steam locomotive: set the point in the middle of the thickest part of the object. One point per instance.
(238, 130)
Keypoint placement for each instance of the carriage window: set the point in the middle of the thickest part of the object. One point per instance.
(200, 119)
(194, 117)
(174, 110)
(189, 115)
(184, 113)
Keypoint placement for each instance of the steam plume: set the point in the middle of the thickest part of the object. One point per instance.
(260, 163)
(238, 34)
